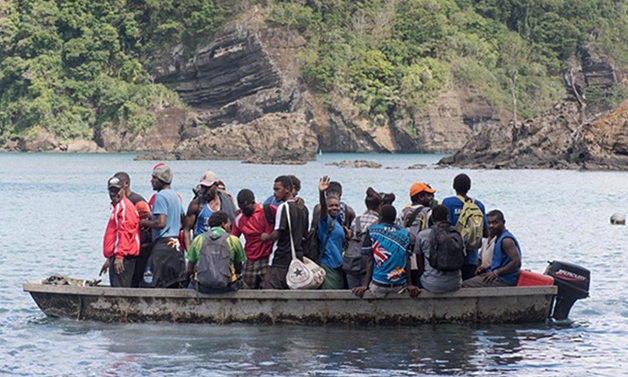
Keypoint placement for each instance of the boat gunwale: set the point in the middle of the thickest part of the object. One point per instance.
(38, 287)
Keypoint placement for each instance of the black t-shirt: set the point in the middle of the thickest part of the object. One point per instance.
(136, 198)
(282, 251)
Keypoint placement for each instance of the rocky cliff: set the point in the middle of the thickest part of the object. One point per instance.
(554, 140)
(243, 86)
(244, 100)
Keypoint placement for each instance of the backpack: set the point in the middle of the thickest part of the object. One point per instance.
(447, 252)
(213, 269)
(471, 224)
(353, 262)
(311, 241)
(422, 213)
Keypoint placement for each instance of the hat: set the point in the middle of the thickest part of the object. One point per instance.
(418, 187)
(115, 182)
(209, 178)
(163, 173)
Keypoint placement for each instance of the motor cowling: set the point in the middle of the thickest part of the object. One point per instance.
(573, 283)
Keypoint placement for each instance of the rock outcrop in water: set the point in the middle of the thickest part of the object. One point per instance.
(553, 140)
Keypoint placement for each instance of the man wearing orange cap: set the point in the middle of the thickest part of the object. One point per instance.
(415, 217)
(209, 200)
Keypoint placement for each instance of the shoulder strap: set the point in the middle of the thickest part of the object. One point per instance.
(463, 200)
(331, 227)
(294, 252)
(410, 219)
(358, 227)
(200, 204)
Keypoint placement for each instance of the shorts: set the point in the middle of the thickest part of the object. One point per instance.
(380, 291)
(254, 273)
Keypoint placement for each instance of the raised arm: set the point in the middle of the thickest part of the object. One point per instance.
(323, 184)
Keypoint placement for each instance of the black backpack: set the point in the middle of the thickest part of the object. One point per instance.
(353, 262)
(448, 252)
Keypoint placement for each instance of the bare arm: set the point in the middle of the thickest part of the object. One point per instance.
(188, 223)
(272, 236)
(413, 289)
(323, 184)
(158, 223)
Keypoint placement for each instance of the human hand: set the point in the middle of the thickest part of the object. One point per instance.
(118, 264)
(348, 232)
(104, 268)
(264, 236)
(359, 291)
(491, 276)
(323, 183)
(300, 202)
(413, 290)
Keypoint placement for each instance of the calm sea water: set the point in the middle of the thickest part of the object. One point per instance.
(55, 207)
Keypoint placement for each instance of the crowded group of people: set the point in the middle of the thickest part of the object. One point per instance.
(436, 246)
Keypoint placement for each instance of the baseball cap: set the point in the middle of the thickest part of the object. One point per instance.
(209, 178)
(163, 173)
(115, 182)
(418, 187)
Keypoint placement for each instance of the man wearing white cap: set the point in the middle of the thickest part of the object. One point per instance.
(209, 200)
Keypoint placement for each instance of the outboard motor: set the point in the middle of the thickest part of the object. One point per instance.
(573, 284)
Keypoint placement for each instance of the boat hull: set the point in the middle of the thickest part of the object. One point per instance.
(477, 305)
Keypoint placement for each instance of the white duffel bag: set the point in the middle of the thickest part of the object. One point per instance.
(302, 275)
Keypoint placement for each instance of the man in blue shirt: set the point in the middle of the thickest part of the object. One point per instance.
(506, 262)
(387, 268)
(166, 260)
(462, 185)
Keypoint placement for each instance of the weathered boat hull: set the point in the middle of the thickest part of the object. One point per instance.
(481, 305)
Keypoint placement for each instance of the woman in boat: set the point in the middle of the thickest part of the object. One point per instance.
(331, 237)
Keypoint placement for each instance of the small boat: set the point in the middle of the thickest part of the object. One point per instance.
(468, 305)
(106, 304)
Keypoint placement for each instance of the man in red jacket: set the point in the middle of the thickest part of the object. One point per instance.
(121, 244)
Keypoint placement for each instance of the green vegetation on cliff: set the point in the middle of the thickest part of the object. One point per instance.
(393, 56)
(76, 67)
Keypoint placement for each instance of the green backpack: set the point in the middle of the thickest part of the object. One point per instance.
(470, 224)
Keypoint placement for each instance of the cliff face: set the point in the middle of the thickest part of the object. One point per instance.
(249, 72)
